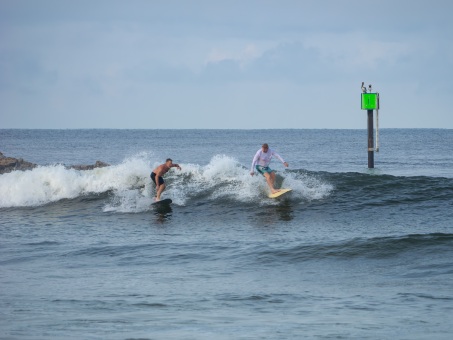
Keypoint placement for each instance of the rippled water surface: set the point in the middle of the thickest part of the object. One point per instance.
(351, 252)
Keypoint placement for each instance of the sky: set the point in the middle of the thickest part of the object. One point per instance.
(236, 64)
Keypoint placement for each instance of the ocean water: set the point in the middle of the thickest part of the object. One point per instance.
(350, 253)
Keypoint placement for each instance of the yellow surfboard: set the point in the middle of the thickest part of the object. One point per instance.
(279, 193)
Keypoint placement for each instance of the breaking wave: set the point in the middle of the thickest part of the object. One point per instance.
(223, 178)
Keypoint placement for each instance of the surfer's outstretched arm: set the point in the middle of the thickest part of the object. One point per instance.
(280, 158)
(254, 162)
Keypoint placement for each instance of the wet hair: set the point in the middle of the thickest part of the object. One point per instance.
(169, 159)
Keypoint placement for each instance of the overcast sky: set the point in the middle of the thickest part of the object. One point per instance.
(224, 64)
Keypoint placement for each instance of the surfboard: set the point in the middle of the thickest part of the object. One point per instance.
(166, 201)
(279, 193)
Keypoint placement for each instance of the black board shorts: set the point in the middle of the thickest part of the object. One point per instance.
(153, 177)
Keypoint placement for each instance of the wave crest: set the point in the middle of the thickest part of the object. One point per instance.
(222, 179)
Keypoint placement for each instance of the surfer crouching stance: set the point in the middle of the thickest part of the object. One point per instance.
(261, 163)
(157, 174)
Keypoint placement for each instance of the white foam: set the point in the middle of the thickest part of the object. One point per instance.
(225, 177)
(47, 184)
(306, 187)
(222, 178)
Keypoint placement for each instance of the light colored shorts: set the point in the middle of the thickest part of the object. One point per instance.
(263, 169)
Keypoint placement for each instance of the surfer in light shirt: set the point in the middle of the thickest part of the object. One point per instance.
(157, 174)
(261, 162)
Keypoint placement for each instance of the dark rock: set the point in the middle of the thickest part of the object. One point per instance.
(98, 164)
(8, 164)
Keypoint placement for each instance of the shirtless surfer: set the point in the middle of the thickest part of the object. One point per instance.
(157, 174)
(261, 163)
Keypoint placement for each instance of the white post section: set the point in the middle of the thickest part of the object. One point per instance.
(377, 125)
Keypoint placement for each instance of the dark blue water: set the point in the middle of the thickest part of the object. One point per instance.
(350, 253)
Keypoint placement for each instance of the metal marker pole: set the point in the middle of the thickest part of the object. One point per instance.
(370, 140)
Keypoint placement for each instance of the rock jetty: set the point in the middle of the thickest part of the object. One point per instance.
(8, 164)
(98, 164)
